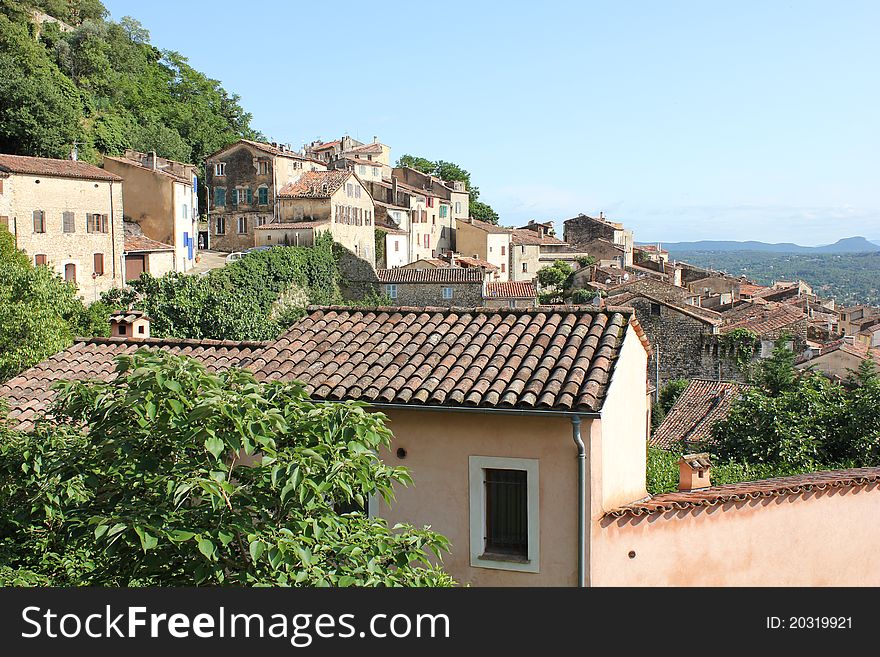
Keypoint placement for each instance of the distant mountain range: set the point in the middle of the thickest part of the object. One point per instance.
(847, 245)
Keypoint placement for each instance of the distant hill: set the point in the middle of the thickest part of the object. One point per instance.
(847, 245)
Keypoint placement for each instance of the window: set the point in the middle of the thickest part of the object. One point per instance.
(525, 267)
(70, 273)
(447, 292)
(39, 221)
(96, 223)
(68, 222)
(245, 195)
(41, 259)
(503, 250)
(349, 190)
(263, 196)
(503, 268)
(220, 169)
(655, 309)
(362, 170)
(396, 246)
(99, 264)
(430, 201)
(504, 521)
(4, 221)
(242, 225)
(391, 291)
(185, 211)
(375, 173)
(458, 207)
(219, 196)
(442, 211)
(427, 241)
(511, 303)
(357, 191)
(264, 168)
(221, 226)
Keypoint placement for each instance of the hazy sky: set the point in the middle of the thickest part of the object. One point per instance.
(684, 120)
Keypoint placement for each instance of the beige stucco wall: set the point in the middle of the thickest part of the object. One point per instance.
(438, 445)
(396, 250)
(54, 196)
(819, 539)
(528, 254)
(471, 240)
(834, 364)
(160, 263)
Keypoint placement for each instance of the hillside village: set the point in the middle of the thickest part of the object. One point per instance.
(518, 367)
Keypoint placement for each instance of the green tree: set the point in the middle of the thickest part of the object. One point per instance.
(669, 394)
(777, 374)
(418, 163)
(185, 477)
(553, 280)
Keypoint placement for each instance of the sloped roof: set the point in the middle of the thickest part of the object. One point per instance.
(700, 406)
(31, 391)
(158, 171)
(698, 313)
(552, 358)
(511, 290)
(751, 490)
(139, 243)
(316, 184)
(44, 166)
(438, 274)
(484, 226)
(762, 318)
(524, 236)
(290, 225)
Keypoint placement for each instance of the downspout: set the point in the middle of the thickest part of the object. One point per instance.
(112, 234)
(582, 499)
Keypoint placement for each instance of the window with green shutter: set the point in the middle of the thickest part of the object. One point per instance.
(219, 196)
(442, 211)
(250, 196)
(263, 195)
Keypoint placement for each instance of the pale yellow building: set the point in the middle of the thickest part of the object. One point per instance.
(67, 215)
(479, 239)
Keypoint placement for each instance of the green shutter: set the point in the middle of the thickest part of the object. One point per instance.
(250, 196)
(219, 196)
(264, 195)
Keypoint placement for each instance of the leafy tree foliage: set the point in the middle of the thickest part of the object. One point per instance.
(450, 171)
(169, 475)
(669, 394)
(553, 280)
(40, 314)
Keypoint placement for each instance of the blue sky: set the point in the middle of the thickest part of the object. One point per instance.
(684, 120)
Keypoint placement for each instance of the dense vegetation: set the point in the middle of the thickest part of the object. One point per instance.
(848, 278)
(104, 87)
(253, 298)
(789, 422)
(40, 314)
(450, 171)
(185, 477)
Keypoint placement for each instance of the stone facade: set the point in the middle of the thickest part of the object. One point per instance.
(582, 229)
(68, 237)
(235, 177)
(443, 286)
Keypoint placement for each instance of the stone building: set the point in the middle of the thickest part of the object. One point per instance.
(480, 239)
(533, 247)
(441, 286)
(160, 196)
(67, 215)
(145, 255)
(324, 201)
(243, 182)
(453, 191)
(582, 229)
(512, 294)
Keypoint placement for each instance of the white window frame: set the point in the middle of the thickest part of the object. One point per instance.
(477, 465)
(446, 292)
(391, 290)
(244, 221)
(220, 169)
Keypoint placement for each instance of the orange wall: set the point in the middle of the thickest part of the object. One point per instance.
(823, 538)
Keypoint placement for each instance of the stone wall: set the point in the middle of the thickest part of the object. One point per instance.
(581, 230)
(464, 295)
(358, 276)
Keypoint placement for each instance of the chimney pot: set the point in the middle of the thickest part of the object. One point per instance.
(693, 472)
(130, 324)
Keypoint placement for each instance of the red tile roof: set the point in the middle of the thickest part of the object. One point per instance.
(698, 313)
(31, 391)
(484, 226)
(551, 358)
(266, 148)
(316, 184)
(761, 319)
(700, 406)
(43, 166)
(752, 490)
(511, 290)
(293, 225)
(159, 172)
(138, 243)
(858, 350)
(431, 275)
(524, 236)
(468, 261)
(751, 290)
(367, 148)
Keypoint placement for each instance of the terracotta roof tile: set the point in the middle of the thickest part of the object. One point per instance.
(761, 318)
(315, 184)
(751, 490)
(700, 406)
(289, 225)
(453, 357)
(511, 290)
(137, 243)
(431, 275)
(484, 226)
(520, 236)
(44, 166)
(31, 391)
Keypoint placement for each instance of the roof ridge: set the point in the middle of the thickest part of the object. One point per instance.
(173, 341)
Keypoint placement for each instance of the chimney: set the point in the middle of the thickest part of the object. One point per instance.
(394, 190)
(601, 215)
(375, 139)
(130, 324)
(693, 472)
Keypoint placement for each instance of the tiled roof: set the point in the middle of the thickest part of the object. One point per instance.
(649, 248)
(315, 184)
(748, 289)
(161, 172)
(367, 148)
(326, 145)
(138, 243)
(293, 224)
(762, 319)
(752, 490)
(128, 316)
(31, 391)
(43, 166)
(701, 314)
(524, 236)
(858, 350)
(484, 226)
(511, 290)
(431, 275)
(266, 148)
(700, 406)
(391, 230)
(552, 358)
(468, 261)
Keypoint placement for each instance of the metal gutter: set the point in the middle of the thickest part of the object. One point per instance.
(592, 415)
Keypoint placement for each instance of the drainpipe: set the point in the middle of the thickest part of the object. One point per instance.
(582, 499)
(112, 234)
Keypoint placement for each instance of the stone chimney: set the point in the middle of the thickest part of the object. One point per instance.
(130, 324)
(693, 472)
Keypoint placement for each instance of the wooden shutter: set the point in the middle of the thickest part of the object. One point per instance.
(250, 196)
(103, 223)
(90, 228)
(4, 221)
(41, 259)
(99, 264)
(69, 222)
(38, 222)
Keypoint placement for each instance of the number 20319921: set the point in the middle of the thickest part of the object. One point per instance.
(809, 623)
